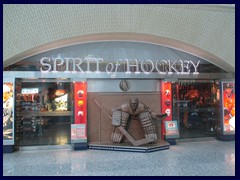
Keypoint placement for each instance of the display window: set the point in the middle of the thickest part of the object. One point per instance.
(197, 108)
(228, 102)
(43, 112)
(8, 113)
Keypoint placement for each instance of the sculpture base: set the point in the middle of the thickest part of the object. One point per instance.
(158, 146)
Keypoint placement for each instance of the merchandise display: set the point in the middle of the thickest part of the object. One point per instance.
(199, 108)
(61, 103)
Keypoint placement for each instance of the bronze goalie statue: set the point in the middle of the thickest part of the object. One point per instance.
(134, 109)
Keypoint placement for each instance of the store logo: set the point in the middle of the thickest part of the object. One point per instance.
(137, 66)
(124, 85)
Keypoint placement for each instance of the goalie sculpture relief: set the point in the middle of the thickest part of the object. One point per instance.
(134, 109)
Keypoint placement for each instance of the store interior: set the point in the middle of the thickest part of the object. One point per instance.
(43, 112)
(196, 106)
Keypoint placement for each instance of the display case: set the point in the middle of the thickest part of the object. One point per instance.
(197, 108)
(8, 112)
(227, 128)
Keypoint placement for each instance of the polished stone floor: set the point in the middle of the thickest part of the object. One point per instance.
(203, 158)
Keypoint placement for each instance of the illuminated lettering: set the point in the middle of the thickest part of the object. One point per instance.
(146, 65)
(162, 64)
(45, 62)
(132, 65)
(185, 65)
(77, 65)
(195, 67)
(67, 64)
(97, 63)
(111, 65)
(55, 64)
(114, 74)
(92, 64)
(172, 66)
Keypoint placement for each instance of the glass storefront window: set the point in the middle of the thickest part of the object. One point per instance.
(196, 105)
(43, 112)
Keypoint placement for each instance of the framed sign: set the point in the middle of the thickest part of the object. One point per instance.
(78, 133)
(171, 128)
(8, 112)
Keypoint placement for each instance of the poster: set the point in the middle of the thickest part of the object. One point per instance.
(8, 113)
(78, 133)
(228, 101)
(171, 129)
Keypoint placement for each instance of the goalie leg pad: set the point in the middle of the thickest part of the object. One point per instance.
(117, 136)
(148, 125)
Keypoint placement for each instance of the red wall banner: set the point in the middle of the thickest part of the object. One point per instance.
(166, 102)
(80, 104)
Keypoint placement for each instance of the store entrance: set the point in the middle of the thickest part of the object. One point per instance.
(196, 106)
(43, 112)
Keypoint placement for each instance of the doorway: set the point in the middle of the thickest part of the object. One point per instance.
(43, 112)
(196, 107)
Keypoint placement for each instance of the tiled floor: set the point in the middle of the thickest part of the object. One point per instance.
(203, 158)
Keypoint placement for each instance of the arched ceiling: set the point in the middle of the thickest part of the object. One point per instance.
(207, 31)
